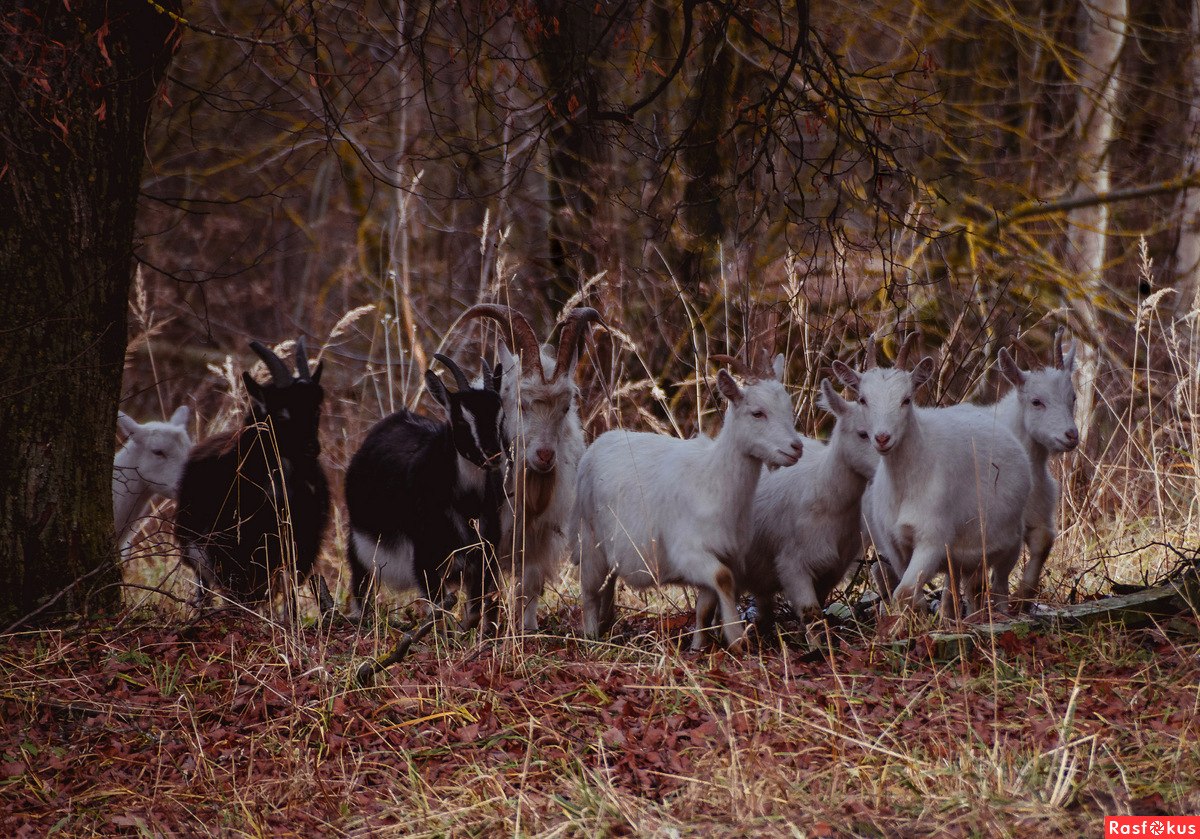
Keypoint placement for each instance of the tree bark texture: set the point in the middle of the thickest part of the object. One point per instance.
(1103, 25)
(79, 83)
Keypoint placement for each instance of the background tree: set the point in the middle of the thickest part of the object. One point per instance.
(79, 81)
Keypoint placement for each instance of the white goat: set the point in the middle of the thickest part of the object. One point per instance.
(654, 509)
(807, 529)
(541, 419)
(951, 487)
(149, 464)
(1040, 412)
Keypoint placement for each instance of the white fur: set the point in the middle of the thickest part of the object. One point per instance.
(951, 487)
(1040, 412)
(149, 464)
(538, 416)
(654, 509)
(807, 530)
(392, 565)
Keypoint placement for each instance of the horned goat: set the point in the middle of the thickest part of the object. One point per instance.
(654, 509)
(149, 464)
(951, 487)
(806, 523)
(415, 484)
(254, 501)
(1040, 412)
(541, 419)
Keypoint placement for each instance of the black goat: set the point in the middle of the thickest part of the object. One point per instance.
(413, 487)
(255, 501)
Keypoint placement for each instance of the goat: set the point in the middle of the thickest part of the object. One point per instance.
(413, 487)
(1040, 412)
(654, 509)
(951, 487)
(255, 501)
(806, 521)
(149, 464)
(541, 418)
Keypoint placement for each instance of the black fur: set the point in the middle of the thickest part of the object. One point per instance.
(403, 484)
(241, 489)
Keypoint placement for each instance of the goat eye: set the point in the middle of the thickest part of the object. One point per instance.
(159, 453)
(758, 414)
(862, 400)
(862, 435)
(1037, 403)
(906, 401)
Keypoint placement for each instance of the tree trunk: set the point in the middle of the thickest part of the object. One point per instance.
(79, 81)
(709, 112)
(1187, 249)
(1099, 85)
(567, 51)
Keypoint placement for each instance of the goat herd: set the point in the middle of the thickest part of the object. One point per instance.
(506, 486)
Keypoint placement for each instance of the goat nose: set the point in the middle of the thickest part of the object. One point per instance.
(883, 439)
(545, 456)
(1073, 435)
(798, 447)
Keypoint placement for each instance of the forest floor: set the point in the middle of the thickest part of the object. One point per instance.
(232, 725)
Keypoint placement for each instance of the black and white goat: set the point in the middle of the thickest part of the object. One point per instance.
(541, 418)
(413, 488)
(255, 502)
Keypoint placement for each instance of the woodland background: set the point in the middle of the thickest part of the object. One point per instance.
(711, 176)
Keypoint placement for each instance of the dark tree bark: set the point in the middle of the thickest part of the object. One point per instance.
(79, 81)
(704, 162)
(569, 47)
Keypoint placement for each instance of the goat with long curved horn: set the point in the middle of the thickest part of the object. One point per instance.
(541, 418)
(520, 333)
(280, 374)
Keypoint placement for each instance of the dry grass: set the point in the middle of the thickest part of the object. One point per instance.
(158, 723)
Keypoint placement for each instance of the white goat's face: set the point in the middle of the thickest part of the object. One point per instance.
(1048, 408)
(538, 415)
(859, 449)
(760, 416)
(1047, 399)
(885, 396)
(158, 451)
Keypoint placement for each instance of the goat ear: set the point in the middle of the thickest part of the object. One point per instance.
(847, 374)
(1009, 367)
(831, 400)
(922, 372)
(777, 367)
(497, 377)
(437, 389)
(255, 391)
(316, 376)
(1069, 358)
(728, 387)
(181, 416)
(127, 424)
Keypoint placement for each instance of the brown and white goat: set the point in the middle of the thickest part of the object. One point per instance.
(541, 419)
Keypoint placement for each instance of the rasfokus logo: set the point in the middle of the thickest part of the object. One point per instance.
(1151, 826)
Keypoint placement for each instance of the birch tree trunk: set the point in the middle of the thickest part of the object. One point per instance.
(1187, 249)
(1102, 37)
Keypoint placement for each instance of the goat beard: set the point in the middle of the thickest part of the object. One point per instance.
(537, 491)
